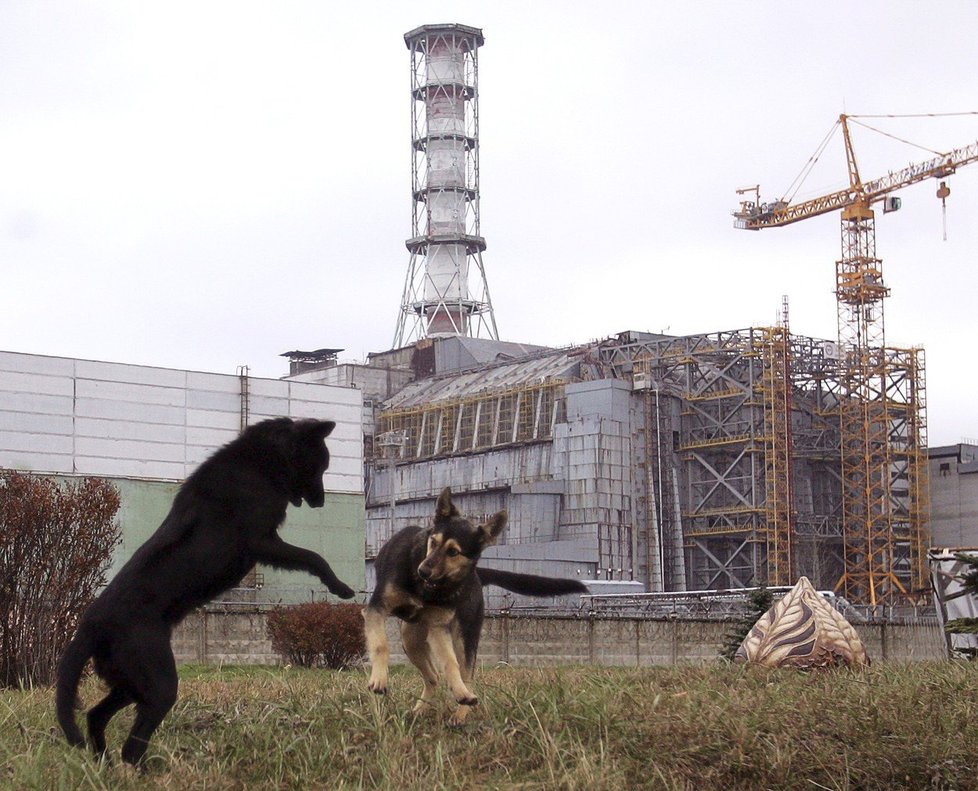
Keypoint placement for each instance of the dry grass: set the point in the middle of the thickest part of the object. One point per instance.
(726, 727)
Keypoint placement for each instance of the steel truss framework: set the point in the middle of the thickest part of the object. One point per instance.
(791, 462)
(741, 519)
(761, 456)
(883, 432)
(445, 290)
(776, 403)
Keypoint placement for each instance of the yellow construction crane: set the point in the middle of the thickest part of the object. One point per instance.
(856, 199)
(879, 391)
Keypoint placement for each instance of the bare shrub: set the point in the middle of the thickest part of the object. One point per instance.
(56, 542)
(318, 634)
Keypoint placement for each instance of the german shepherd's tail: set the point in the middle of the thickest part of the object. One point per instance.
(530, 584)
(70, 669)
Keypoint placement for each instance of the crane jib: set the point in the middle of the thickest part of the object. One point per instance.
(754, 216)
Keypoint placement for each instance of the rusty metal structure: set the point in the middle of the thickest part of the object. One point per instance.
(753, 449)
(879, 390)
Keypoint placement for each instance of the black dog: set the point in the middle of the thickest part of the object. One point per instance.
(428, 579)
(223, 520)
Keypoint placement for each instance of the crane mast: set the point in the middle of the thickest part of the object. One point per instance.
(879, 390)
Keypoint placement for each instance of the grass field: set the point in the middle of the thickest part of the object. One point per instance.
(720, 727)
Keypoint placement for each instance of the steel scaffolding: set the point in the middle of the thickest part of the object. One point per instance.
(776, 392)
(756, 506)
(882, 423)
(755, 455)
(796, 456)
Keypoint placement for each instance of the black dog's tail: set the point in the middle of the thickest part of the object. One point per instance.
(69, 674)
(530, 584)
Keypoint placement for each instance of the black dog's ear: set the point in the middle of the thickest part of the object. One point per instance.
(445, 508)
(316, 430)
(323, 429)
(489, 532)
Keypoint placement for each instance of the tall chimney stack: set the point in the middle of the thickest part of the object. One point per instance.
(445, 292)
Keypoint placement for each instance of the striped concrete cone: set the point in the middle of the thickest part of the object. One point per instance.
(802, 631)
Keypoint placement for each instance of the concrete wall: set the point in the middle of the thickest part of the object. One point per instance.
(64, 415)
(482, 482)
(569, 499)
(145, 429)
(953, 495)
(239, 638)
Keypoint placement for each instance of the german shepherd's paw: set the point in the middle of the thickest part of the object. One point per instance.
(377, 686)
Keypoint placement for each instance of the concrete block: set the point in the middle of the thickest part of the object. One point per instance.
(268, 388)
(213, 401)
(210, 439)
(37, 364)
(240, 638)
(195, 456)
(210, 419)
(29, 461)
(217, 383)
(264, 407)
(325, 394)
(123, 373)
(344, 449)
(36, 403)
(344, 466)
(16, 382)
(125, 468)
(14, 441)
(129, 449)
(35, 423)
(121, 410)
(127, 430)
(348, 429)
(130, 392)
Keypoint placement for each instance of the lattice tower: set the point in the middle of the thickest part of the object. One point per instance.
(445, 291)
(882, 429)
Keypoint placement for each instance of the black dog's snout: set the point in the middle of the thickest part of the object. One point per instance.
(424, 572)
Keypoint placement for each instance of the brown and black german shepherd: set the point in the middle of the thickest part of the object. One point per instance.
(428, 579)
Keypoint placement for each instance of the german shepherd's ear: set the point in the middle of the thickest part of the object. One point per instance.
(445, 508)
(489, 532)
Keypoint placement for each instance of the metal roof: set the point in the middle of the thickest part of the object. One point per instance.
(561, 364)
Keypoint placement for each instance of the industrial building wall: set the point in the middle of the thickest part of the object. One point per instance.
(94, 418)
(146, 429)
(481, 480)
(569, 498)
(954, 495)
(592, 455)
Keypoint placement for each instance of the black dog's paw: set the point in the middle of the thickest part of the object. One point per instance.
(342, 590)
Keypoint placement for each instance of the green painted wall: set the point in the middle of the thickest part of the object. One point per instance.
(335, 531)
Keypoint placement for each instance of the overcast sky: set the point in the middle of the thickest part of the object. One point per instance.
(205, 185)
